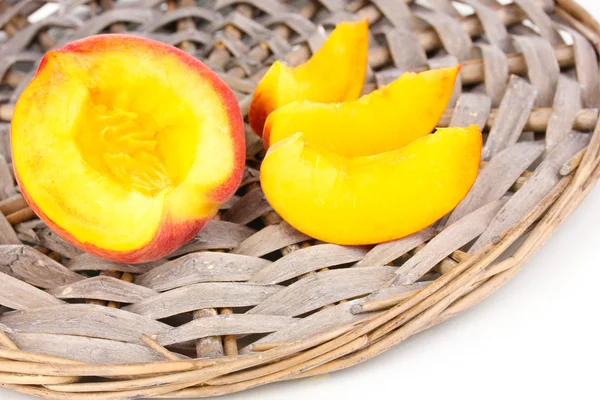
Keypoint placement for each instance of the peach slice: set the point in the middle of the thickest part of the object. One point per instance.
(383, 120)
(125, 146)
(336, 72)
(370, 199)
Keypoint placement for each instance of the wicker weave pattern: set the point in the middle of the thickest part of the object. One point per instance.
(250, 300)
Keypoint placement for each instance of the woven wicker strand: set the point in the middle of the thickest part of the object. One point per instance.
(250, 300)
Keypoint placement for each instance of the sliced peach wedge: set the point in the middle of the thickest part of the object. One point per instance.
(383, 120)
(335, 73)
(125, 146)
(370, 199)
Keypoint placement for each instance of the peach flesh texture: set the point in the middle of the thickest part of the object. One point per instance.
(370, 199)
(126, 146)
(335, 73)
(386, 119)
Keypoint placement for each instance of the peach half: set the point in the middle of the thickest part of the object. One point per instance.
(370, 199)
(383, 120)
(125, 146)
(335, 73)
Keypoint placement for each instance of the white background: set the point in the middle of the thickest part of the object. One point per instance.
(538, 337)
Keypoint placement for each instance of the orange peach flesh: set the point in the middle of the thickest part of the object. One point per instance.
(126, 146)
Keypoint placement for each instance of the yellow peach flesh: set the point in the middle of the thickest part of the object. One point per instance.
(335, 73)
(383, 120)
(110, 145)
(370, 199)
